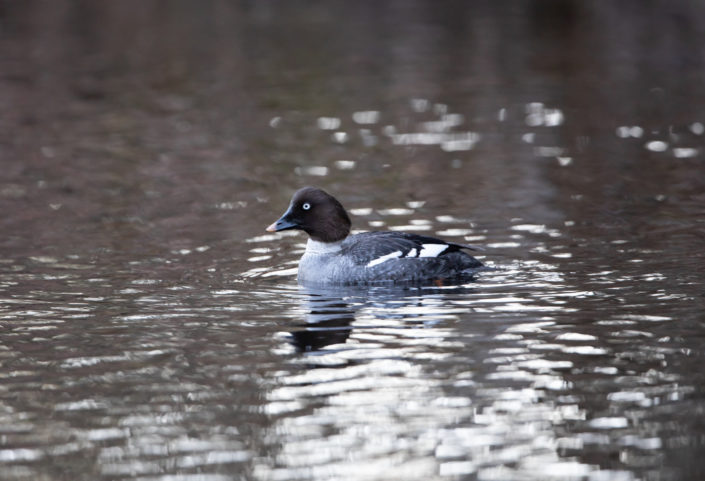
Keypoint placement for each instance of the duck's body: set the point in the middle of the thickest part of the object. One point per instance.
(334, 257)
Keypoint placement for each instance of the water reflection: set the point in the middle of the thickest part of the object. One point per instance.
(373, 382)
(330, 313)
(532, 394)
(329, 318)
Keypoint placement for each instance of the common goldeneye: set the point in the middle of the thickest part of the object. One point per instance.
(334, 257)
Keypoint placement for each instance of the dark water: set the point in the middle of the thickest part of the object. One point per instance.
(150, 329)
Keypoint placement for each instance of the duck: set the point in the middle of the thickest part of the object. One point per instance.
(334, 256)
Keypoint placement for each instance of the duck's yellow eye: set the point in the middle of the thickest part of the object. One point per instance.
(306, 206)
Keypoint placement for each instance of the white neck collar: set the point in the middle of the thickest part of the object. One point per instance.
(318, 247)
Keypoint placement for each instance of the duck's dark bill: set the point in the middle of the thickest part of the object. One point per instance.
(282, 224)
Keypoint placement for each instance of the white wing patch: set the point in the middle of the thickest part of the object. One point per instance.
(379, 260)
(432, 250)
(412, 253)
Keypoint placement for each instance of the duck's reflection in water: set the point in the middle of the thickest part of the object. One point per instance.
(330, 312)
(328, 321)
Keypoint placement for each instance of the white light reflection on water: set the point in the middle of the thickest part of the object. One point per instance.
(328, 123)
(345, 164)
(366, 117)
(312, 170)
(656, 146)
(448, 141)
(537, 114)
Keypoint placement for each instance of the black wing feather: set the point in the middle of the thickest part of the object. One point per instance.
(368, 246)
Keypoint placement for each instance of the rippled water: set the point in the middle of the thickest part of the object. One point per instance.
(151, 330)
